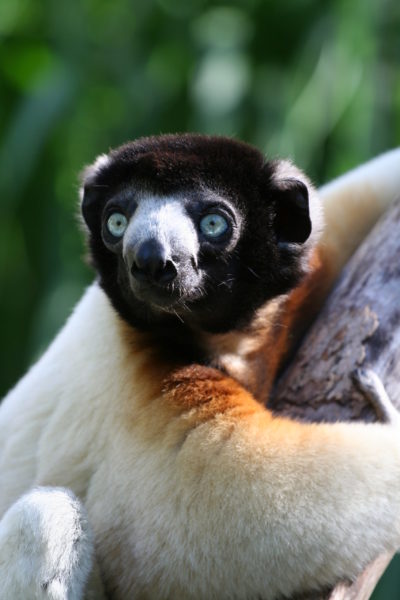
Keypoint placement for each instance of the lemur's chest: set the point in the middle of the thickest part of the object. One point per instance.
(163, 505)
(159, 526)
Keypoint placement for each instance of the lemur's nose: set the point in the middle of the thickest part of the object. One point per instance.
(151, 262)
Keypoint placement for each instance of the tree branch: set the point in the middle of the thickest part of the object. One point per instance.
(359, 326)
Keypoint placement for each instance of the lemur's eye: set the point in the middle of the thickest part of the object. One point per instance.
(213, 225)
(117, 224)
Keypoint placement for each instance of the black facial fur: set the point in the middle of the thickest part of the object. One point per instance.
(266, 260)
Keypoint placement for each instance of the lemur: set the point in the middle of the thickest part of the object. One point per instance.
(137, 456)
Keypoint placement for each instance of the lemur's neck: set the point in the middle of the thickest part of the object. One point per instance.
(248, 355)
(243, 354)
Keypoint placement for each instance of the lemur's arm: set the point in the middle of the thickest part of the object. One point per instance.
(300, 488)
(352, 204)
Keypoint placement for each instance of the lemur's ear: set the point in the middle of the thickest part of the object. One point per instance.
(90, 191)
(292, 221)
(90, 213)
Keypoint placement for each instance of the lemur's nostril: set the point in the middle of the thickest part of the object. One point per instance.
(168, 273)
(150, 262)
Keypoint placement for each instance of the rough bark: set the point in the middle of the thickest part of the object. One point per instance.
(358, 326)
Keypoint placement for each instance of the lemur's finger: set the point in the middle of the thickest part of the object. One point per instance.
(370, 385)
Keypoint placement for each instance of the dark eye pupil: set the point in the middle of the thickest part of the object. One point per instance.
(213, 225)
(117, 224)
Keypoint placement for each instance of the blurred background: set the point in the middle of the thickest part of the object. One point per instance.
(316, 81)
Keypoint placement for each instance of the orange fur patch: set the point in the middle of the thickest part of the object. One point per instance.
(208, 392)
(296, 315)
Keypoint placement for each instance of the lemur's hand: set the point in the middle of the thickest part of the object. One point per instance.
(46, 547)
(371, 386)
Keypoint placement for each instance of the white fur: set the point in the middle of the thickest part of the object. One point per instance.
(93, 170)
(233, 507)
(46, 547)
(354, 202)
(164, 219)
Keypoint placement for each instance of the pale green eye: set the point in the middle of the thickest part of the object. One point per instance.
(117, 224)
(213, 225)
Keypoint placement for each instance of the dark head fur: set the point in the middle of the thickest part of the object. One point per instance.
(271, 201)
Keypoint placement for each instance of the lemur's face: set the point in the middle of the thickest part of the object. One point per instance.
(171, 249)
(194, 230)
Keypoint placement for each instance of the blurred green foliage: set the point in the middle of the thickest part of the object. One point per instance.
(317, 81)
